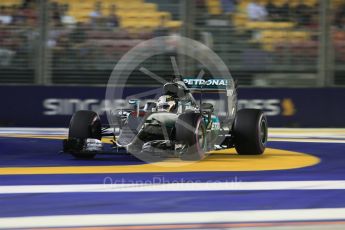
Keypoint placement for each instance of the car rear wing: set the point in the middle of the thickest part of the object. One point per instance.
(225, 88)
(214, 84)
(196, 85)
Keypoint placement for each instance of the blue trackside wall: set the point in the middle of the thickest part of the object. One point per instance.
(52, 106)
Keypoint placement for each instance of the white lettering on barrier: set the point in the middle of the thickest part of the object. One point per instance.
(270, 106)
(68, 106)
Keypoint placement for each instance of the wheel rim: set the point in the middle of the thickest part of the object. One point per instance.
(263, 131)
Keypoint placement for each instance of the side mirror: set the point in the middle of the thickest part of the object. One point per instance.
(134, 102)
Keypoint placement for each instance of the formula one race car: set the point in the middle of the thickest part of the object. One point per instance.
(176, 125)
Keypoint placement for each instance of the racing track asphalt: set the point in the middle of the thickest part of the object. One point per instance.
(32, 152)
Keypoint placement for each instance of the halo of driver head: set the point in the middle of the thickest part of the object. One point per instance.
(117, 87)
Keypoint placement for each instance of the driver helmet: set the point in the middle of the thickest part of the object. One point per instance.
(166, 103)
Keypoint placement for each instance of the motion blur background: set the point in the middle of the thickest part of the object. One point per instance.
(287, 56)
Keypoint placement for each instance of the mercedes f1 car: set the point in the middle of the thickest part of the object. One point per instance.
(175, 125)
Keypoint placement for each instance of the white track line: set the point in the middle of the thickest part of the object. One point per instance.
(34, 131)
(307, 140)
(273, 132)
(173, 218)
(317, 135)
(111, 186)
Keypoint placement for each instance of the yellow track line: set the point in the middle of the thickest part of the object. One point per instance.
(224, 160)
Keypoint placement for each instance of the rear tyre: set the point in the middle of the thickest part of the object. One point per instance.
(250, 132)
(85, 124)
(191, 130)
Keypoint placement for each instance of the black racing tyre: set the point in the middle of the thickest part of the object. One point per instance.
(190, 130)
(85, 124)
(250, 132)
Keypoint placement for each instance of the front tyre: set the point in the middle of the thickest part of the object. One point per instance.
(85, 124)
(250, 132)
(191, 131)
